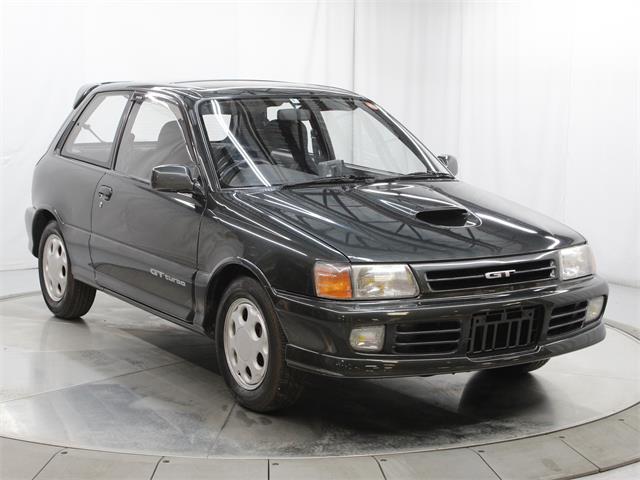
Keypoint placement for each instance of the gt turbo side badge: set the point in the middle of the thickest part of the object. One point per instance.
(168, 278)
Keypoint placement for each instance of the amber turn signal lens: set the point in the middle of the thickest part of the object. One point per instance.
(333, 280)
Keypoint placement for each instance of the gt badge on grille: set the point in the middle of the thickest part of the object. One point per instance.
(500, 274)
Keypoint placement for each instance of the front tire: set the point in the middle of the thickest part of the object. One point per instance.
(65, 296)
(251, 349)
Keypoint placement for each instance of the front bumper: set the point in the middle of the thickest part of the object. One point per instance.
(318, 330)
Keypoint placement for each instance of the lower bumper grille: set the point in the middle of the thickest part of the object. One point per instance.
(567, 318)
(427, 337)
(499, 331)
(489, 332)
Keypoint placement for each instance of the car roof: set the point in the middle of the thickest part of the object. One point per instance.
(196, 89)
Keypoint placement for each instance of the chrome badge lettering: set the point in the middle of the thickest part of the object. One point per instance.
(168, 278)
(500, 274)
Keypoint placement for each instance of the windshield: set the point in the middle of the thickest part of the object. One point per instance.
(286, 141)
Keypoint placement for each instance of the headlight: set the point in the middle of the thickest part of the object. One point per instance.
(341, 281)
(383, 281)
(576, 262)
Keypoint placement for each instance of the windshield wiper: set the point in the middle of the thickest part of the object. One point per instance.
(330, 180)
(416, 175)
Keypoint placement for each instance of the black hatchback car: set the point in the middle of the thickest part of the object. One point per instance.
(305, 230)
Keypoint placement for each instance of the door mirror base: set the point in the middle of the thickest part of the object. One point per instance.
(450, 162)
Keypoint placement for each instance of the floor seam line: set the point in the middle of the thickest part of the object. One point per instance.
(13, 296)
(625, 328)
(575, 450)
(623, 422)
(224, 424)
(47, 463)
(89, 383)
(375, 459)
(593, 375)
(485, 462)
(153, 474)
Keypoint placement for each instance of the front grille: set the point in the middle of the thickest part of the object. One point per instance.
(516, 273)
(427, 337)
(500, 331)
(567, 318)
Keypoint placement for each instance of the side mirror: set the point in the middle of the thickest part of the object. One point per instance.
(172, 178)
(450, 162)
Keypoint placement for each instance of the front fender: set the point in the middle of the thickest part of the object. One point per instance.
(276, 253)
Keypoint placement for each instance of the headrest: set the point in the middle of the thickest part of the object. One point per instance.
(170, 134)
(294, 115)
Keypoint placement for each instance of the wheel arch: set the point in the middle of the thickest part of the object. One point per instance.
(41, 219)
(221, 277)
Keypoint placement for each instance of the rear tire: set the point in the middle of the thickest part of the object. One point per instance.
(251, 349)
(65, 296)
(516, 370)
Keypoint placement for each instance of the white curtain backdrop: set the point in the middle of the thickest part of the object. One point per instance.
(51, 49)
(540, 101)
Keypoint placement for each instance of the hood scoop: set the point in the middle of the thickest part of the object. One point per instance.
(448, 217)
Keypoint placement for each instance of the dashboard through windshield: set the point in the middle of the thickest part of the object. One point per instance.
(265, 141)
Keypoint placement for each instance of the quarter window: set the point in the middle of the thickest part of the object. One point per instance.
(153, 136)
(91, 138)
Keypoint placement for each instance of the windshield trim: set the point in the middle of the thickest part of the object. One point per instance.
(427, 154)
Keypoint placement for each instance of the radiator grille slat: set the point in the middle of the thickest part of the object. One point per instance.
(464, 278)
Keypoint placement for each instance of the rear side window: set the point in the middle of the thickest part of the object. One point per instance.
(91, 138)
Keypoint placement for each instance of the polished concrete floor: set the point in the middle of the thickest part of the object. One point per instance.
(123, 380)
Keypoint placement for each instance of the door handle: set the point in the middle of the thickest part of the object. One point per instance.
(105, 192)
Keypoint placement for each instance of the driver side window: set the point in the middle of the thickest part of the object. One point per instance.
(153, 136)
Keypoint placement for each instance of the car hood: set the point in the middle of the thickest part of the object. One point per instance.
(413, 221)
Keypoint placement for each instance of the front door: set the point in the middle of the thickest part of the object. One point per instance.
(144, 242)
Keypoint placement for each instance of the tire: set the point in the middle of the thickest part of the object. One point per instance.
(65, 296)
(522, 369)
(251, 349)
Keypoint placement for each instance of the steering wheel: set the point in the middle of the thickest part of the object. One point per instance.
(244, 163)
(237, 166)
